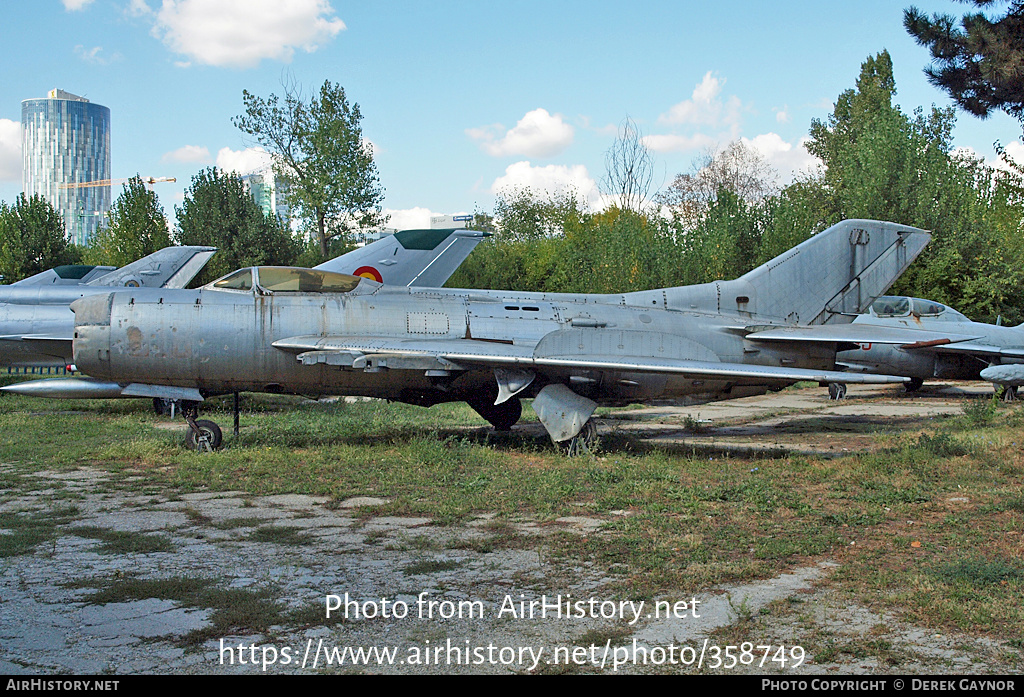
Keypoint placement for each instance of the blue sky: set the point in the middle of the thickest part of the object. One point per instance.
(462, 98)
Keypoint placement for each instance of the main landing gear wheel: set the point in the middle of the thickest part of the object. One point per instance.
(1009, 393)
(203, 435)
(836, 391)
(501, 416)
(586, 441)
(914, 385)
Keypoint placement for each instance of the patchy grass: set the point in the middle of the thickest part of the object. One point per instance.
(280, 534)
(430, 566)
(22, 532)
(928, 527)
(122, 542)
(233, 610)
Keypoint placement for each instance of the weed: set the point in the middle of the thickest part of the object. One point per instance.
(23, 532)
(121, 542)
(978, 572)
(696, 425)
(430, 566)
(234, 610)
(981, 412)
(280, 534)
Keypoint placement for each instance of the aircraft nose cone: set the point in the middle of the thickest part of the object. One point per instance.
(93, 309)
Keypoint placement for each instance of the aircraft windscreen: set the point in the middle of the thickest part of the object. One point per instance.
(925, 308)
(891, 306)
(283, 279)
(239, 280)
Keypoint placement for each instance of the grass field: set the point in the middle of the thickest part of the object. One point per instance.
(930, 528)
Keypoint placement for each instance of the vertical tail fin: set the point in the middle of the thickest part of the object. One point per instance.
(833, 275)
(170, 267)
(423, 258)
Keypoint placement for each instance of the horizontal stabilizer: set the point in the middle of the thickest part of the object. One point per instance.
(92, 388)
(987, 350)
(40, 337)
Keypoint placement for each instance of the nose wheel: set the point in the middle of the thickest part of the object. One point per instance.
(203, 435)
(836, 391)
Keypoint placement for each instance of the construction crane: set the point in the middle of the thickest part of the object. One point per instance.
(115, 182)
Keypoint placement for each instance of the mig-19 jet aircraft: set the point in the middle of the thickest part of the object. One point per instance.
(968, 351)
(307, 331)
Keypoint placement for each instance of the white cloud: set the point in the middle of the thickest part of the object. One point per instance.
(10, 151)
(73, 5)
(548, 179)
(241, 33)
(138, 8)
(417, 218)
(1014, 151)
(785, 158)
(705, 106)
(782, 115)
(538, 134)
(674, 143)
(243, 161)
(189, 153)
(92, 55)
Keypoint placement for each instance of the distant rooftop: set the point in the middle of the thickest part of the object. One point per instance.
(61, 94)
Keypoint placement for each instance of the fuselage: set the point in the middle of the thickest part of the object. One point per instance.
(36, 324)
(221, 340)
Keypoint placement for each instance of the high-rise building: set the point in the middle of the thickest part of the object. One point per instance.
(267, 190)
(66, 140)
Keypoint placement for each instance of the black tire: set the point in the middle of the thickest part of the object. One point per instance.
(914, 385)
(501, 416)
(836, 390)
(209, 435)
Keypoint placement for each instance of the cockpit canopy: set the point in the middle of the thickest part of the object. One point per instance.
(899, 306)
(287, 279)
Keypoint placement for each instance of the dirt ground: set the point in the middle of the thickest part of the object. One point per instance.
(432, 599)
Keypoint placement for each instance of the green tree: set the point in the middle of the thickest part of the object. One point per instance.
(318, 148)
(218, 211)
(979, 64)
(32, 239)
(137, 227)
(883, 164)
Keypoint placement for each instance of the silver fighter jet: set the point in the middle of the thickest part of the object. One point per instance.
(305, 331)
(36, 325)
(959, 350)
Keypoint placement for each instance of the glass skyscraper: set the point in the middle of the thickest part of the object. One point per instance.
(66, 140)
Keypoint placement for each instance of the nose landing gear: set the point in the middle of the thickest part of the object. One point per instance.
(203, 435)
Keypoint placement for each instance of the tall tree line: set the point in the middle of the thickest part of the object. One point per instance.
(726, 217)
